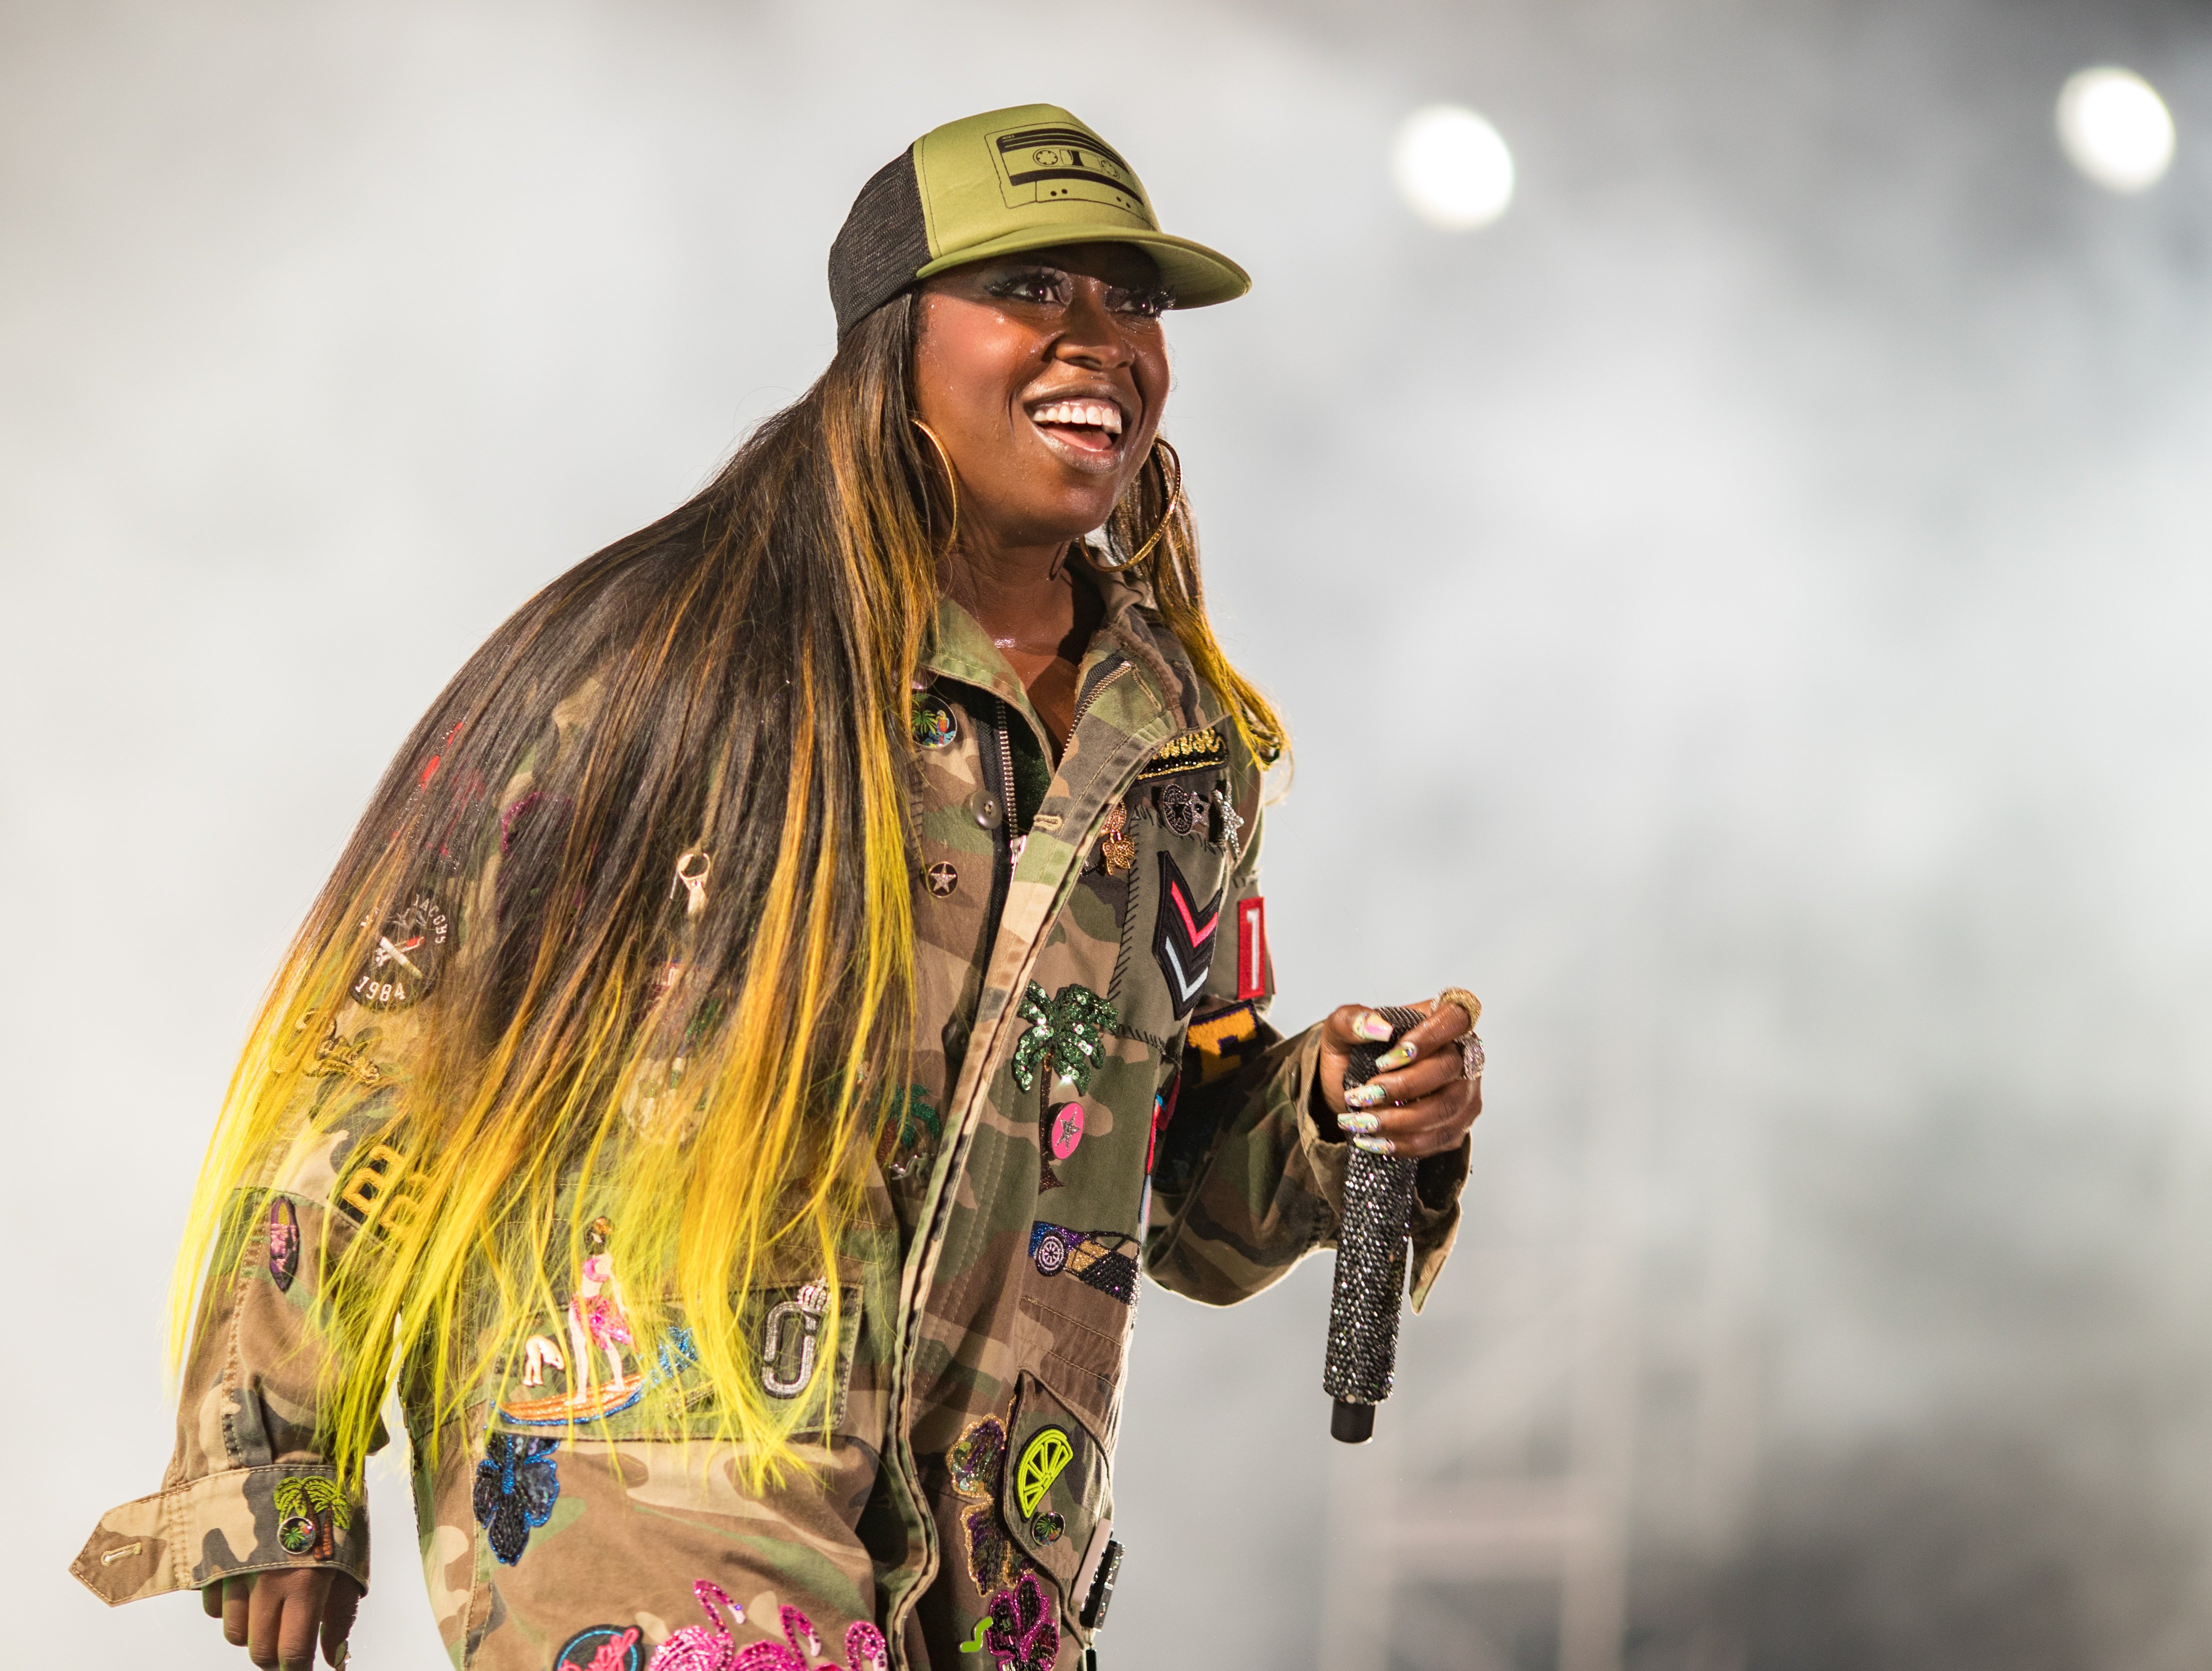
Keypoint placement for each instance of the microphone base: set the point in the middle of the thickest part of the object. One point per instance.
(1350, 1423)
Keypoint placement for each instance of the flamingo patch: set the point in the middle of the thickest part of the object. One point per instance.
(602, 1647)
(1183, 939)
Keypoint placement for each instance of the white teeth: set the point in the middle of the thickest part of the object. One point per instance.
(1108, 418)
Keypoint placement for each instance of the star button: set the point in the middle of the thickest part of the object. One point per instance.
(942, 879)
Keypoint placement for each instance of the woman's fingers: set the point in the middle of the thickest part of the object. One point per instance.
(1428, 1126)
(296, 1627)
(276, 1616)
(237, 1593)
(1433, 1034)
(1353, 1026)
(338, 1618)
(1424, 1078)
(1422, 1103)
(264, 1613)
(1347, 1028)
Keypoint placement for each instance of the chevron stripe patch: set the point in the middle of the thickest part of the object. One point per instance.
(1183, 939)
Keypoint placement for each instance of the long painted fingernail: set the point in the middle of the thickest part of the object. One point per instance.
(1364, 1097)
(1375, 1145)
(1359, 1122)
(1372, 1025)
(1397, 1055)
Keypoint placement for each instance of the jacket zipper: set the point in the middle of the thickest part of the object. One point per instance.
(1002, 866)
(1015, 838)
(902, 1371)
(1091, 696)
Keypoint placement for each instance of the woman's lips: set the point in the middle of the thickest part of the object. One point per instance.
(1086, 432)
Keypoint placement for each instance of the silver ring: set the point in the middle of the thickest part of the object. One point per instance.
(1470, 1056)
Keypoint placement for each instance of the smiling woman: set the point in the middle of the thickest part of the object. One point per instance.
(1042, 377)
(772, 1007)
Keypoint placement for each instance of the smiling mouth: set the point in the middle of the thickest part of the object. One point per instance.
(1086, 431)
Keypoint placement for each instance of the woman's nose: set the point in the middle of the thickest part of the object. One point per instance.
(1091, 334)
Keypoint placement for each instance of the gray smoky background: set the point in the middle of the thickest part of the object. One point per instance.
(1742, 613)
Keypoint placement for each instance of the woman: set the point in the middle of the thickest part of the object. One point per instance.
(838, 901)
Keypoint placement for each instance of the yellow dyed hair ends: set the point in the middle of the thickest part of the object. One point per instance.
(686, 1081)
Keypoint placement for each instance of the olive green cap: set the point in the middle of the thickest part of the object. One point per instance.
(1026, 178)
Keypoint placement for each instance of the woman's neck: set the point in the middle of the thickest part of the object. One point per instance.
(1039, 611)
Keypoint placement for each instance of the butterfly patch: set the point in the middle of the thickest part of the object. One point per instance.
(518, 1482)
(1184, 940)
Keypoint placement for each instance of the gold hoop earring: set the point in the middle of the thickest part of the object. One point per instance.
(1172, 469)
(951, 483)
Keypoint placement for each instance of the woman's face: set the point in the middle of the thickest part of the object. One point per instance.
(1043, 374)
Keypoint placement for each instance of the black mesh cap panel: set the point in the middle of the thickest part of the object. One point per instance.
(883, 243)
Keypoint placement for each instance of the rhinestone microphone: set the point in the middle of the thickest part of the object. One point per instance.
(1370, 1266)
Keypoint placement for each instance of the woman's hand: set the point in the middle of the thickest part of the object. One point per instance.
(277, 1616)
(1422, 1102)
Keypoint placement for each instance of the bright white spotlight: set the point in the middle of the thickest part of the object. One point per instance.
(2116, 129)
(1452, 168)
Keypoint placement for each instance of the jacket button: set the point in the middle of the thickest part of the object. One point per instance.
(986, 810)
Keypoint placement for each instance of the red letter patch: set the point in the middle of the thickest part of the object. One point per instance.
(1252, 947)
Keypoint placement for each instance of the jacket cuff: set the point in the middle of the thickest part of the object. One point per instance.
(212, 1528)
(1321, 1145)
(1437, 1184)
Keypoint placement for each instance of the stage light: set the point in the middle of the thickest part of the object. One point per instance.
(2116, 129)
(1452, 168)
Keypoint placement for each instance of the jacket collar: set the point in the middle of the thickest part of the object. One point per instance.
(960, 649)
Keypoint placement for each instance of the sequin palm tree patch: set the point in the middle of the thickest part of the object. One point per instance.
(311, 1511)
(1066, 1036)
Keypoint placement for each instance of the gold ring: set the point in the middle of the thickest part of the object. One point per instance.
(1468, 1001)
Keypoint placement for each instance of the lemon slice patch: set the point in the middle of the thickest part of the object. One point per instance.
(1044, 1458)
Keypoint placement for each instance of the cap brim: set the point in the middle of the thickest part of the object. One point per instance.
(1197, 276)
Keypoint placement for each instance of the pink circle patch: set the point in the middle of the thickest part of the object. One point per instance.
(1067, 1129)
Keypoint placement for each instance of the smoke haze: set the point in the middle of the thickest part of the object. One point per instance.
(1742, 614)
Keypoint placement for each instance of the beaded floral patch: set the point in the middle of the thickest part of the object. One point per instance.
(517, 1485)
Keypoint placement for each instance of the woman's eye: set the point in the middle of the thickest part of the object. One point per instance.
(1144, 304)
(1041, 286)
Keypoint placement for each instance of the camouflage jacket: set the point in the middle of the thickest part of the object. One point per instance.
(1097, 1091)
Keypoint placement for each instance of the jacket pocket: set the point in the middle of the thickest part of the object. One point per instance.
(596, 1376)
(1057, 1493)
(1081, 1293)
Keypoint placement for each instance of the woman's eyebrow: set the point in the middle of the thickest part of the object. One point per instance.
(1031, 270)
